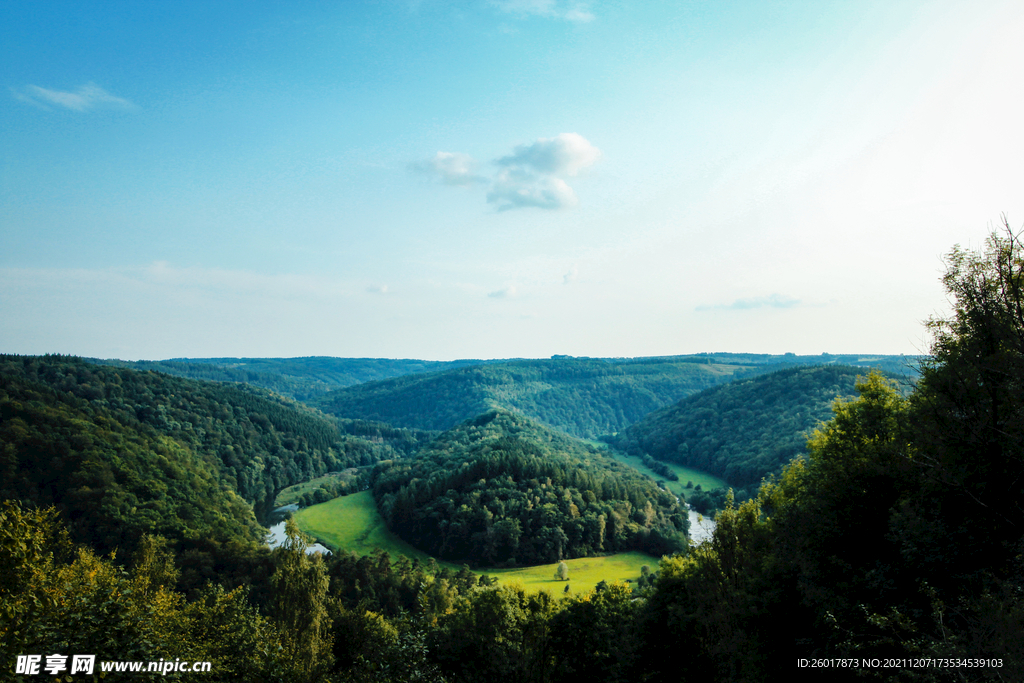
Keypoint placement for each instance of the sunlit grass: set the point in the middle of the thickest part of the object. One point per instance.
(352, 523)
(584, 573)
(686, 474)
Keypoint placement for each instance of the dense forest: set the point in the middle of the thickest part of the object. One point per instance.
(123, 453)
(894, 550)
(502, 490)
(746, 430)
(585, 397)
(582, 397)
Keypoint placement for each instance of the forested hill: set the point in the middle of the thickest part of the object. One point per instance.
(309, 379)
(580, 396)
(298, 378)
(122, 453)
(744, 430)
(502, 489)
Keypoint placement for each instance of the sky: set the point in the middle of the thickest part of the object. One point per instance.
(497, 178)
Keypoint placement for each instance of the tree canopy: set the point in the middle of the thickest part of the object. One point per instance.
(502, 489)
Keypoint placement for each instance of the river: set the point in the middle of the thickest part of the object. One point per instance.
(701, 527)
(276, 535)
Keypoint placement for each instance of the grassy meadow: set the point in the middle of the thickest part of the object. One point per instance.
(686, 474)
(352, 523)
(584, 573)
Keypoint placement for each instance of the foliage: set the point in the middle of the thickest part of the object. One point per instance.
(124, 453)
(69, 600)
(502, 489)
(746, 430)
(300, 605)
(899, 536)
(593, 636)
(720, 602)
(494, 634)
(969, 414)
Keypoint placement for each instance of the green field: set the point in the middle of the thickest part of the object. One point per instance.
(703, 479)
(352, 523)
(584, 573)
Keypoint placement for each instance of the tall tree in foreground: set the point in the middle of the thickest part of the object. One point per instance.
(301, 605)
(901, 535)
(969, 409)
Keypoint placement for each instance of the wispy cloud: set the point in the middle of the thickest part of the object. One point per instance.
(85, 98)
(378, 289)
(552, 9)
(770, 301)
(571, 276)
(451, 168)
(506, 293)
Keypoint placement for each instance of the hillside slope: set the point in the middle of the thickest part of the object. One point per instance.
(744, 430)
(502, 489)
(122, 453)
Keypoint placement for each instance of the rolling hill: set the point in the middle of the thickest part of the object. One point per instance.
(501, 489)
(585, 397)
(582, 397)
(744, 430)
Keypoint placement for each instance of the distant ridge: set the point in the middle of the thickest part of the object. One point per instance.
(582, 396)
(585, 397)
(300, 378)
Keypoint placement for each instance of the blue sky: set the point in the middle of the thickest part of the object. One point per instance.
(487, 179)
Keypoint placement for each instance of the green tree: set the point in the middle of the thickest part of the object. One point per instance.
(593, 636)
(969, 408)
(720, 603)
(300, 606)
(59, 599)
(562, 571)
(497, 633)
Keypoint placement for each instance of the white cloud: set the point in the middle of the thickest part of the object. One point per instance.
(770, 301)
(564, 154)
(451, 168)
(571, 275)
(516, 188)
(577, 12)
(378, 289)
(84, 98)
(531, 175)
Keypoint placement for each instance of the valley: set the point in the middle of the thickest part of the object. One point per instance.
(546, 489)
